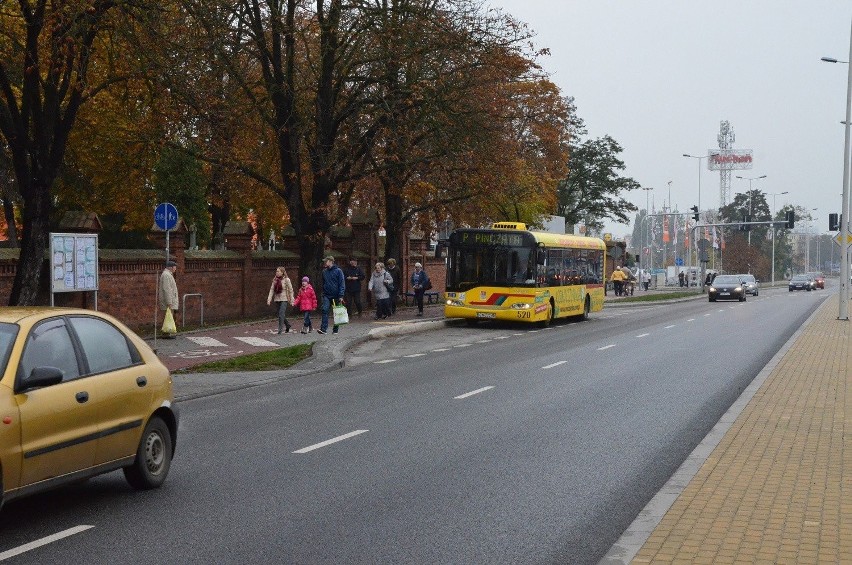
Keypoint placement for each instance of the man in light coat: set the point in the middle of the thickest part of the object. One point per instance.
(168, 292)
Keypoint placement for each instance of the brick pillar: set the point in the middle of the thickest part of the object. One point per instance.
(177, 242)
(238, 238)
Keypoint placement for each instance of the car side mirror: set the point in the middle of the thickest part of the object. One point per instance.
(42, 377)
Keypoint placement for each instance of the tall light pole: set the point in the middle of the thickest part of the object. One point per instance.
(772, 227)
(648, 261)
(698, 158)
(749, 179)
(843, 311)
(808, 242)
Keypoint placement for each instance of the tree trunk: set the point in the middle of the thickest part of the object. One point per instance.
(34, 247)
(393, 225)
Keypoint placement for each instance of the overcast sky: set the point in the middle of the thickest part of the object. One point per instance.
(660, 75)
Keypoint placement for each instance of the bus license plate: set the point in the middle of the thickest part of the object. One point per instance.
(486, 315)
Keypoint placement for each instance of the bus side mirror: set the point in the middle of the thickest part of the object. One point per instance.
(540, 256)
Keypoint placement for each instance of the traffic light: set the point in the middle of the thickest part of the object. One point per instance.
(695, 213)
(790, 217)
(833, 223)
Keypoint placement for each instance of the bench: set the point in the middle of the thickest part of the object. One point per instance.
(431, 296)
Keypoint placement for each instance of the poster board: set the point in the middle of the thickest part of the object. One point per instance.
(73, 262)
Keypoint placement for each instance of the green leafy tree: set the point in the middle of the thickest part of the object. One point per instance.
(179, 178)
(592, 190)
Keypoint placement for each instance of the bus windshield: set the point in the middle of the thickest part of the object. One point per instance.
(491, 265)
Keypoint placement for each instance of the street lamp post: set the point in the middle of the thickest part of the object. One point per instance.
(808, 242)
(749, 179)
(648, 260)
(843, 311)
(698, 158)
(772, 227)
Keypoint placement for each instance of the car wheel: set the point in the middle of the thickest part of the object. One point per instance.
(743, 298)
(756, 292)
(153, 457)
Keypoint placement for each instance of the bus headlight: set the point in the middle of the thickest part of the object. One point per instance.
(455, 303)
(521, 306)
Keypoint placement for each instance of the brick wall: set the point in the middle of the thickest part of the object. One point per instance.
(234, 283)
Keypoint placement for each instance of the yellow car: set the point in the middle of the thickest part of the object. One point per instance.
(80, 395)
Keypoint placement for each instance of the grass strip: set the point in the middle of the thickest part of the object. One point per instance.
(282, 358)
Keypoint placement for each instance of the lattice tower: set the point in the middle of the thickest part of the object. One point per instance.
(726, 141)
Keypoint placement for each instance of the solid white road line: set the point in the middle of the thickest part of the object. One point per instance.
(471, 393)
(643, 335)
(330, 441)
(552, 365)
(206, 341)
(606, 347)
(43, 541)
(257, 341)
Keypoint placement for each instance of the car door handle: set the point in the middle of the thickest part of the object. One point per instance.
(82, 397)
(141, 381)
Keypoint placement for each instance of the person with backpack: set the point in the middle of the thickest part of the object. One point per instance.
(420, 283)
(380, 285)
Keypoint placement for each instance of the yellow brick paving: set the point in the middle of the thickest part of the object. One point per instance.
(778, 487)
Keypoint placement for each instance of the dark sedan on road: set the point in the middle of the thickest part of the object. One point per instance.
(819, 280)
(801, 282)
(727, 287)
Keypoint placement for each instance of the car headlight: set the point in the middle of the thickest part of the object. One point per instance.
(738, 289)
(712, 289)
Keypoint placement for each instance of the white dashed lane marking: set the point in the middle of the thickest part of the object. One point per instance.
(643, 335)
(606, 347)
(330, 441)
(552, 365)
(385, 361)
(471, 393)
(669, 327)
(43, 541)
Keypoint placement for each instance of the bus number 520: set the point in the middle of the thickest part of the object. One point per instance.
(523, 315)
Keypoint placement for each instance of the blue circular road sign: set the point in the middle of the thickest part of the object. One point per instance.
(166, 216)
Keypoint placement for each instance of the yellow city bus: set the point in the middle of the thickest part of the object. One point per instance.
(510, 273)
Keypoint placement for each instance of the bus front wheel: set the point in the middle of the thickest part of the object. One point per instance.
(546, 322)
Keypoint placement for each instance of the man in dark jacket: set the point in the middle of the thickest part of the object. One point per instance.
(354, 275)
(333, 289)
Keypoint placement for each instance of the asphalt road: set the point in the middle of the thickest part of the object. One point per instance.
(497, 444)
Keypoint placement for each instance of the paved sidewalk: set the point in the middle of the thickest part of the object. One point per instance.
(772, 482)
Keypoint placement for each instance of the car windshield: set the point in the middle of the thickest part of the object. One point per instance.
(7, 338)
(748, 278)
(726, 279)
(799, 278)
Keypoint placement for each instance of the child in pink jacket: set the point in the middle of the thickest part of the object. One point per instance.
(306, 300)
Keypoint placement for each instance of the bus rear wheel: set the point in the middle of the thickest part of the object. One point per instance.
(587, 307)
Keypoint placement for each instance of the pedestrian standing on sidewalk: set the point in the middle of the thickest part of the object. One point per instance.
(420, 283)
(281, 292)
(306, 301)
(168, 292)
(354, 275)
(380, 284)
(396, 274)
(333, 290)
